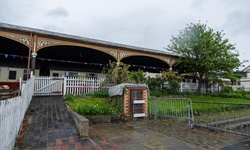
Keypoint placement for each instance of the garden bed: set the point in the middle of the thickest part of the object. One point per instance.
(96, 110)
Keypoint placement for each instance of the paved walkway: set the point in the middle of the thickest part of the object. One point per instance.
(48, 125)
(135, 136)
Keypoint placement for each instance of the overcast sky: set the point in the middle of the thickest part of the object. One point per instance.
(143, 23)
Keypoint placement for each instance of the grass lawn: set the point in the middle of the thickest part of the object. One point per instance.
(103, 106)
(201, 105)
(195, 98)
(92, 106)
(225, 109)
(88, 101)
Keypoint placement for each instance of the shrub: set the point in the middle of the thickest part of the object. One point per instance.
(242, 92)
(186, 93)
(116, 73)
(154, 83)
(215, 94)
(138, 76)
(234, 95)
(227, 89)
(230, 95)
(117, 103)
(246, 97)
(156, 93)
(101, 93)
(68, 97)
(175, 86)
(166, 91)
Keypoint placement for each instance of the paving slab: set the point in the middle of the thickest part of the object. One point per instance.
(49, 126)
(135, 136)
(242, 145)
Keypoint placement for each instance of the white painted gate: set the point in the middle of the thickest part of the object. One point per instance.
(48, 86)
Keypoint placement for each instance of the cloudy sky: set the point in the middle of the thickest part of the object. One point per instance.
(143, 23)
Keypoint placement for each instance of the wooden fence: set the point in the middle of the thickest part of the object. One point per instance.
(12, 112)
(48, 86)
(82, 86)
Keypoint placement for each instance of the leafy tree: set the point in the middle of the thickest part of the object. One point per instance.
(154, 83)
(116, 73)
(204, 51)
(138, 76)
(173, 79)
(171, 75)
(240, 74)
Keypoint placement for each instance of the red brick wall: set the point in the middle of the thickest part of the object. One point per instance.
(145, 97)
(126, 103)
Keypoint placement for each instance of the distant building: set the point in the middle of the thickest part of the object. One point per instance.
(245, 81)
(49, 53)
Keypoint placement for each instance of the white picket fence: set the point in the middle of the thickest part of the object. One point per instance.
(192, 87)
(48, 86)
(82, 86)
(12, 112)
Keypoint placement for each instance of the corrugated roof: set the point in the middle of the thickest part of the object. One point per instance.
(73, 37)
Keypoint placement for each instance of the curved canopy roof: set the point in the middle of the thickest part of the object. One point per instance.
(73, 37)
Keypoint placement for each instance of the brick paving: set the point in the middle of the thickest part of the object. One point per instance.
(49, 126)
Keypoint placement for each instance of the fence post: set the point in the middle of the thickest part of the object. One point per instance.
(93, 84)
(31, 74)
(20, 87)
(154, 108)
(181, 87)
(189, 123)
(64, 85)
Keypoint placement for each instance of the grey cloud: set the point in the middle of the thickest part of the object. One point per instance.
(135, 28)
(198, 5)
(143, 28)
(239, 22)
(148, 24)
(58, 12)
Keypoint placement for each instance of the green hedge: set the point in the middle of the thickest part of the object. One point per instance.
(101, 93)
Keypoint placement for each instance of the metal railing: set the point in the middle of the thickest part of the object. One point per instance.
(230, 117)
(12, 112)
(172, 107)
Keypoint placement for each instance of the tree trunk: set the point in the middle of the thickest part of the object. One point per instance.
(198, 91)
(207, 86)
